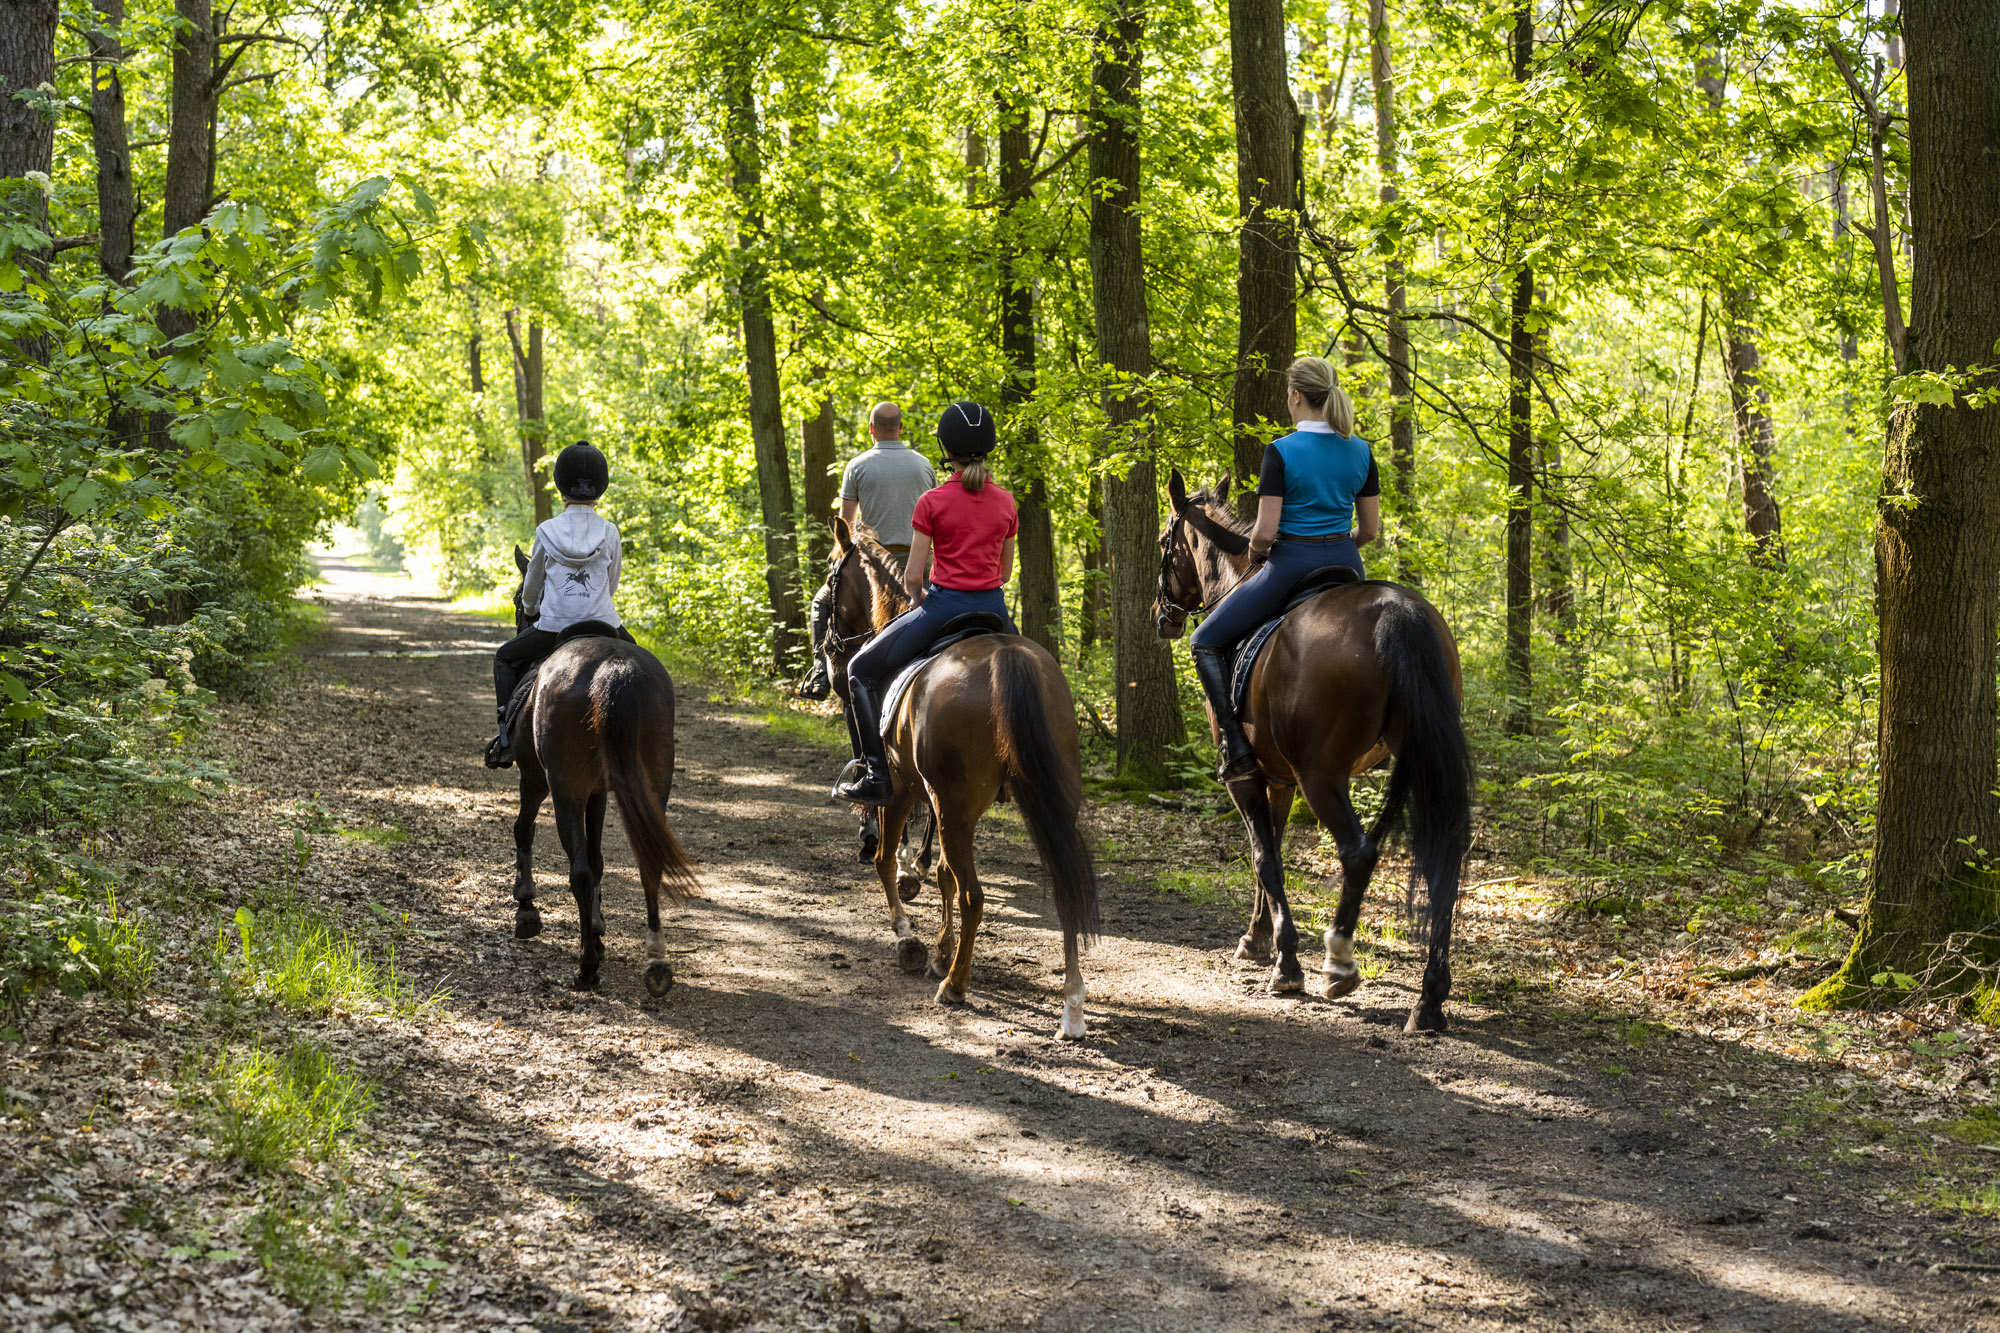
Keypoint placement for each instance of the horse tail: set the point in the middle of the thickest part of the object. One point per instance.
(1046, 792)
(1432, 779)
(663, 863)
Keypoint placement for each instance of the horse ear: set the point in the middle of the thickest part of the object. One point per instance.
(843, 536)
(520, 561)
(1222, 489)
(1177, 491)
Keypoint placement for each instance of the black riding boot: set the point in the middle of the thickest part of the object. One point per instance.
(1211, 666)
(819, 681)
(500, 750)
(869, 786)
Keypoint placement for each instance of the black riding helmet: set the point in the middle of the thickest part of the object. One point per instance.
(582, 475)
(965, 430)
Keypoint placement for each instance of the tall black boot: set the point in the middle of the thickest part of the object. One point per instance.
(819, 681)
(500, 750)
(1211, 667)
(869, 786)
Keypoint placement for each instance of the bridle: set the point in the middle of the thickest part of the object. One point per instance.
(837, 644)
(1168, 551)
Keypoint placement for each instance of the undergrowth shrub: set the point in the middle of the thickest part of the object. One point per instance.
(271, 1109)
(296, 958)
(73, 941)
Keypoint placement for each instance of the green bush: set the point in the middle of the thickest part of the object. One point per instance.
(272, 1109)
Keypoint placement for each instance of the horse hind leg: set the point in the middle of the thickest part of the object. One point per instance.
(573, 824)
(527, 917)
(1329, 800)
(971, 898)
(910, 952)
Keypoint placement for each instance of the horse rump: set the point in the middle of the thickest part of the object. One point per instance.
(1046, 793)
(617, 713)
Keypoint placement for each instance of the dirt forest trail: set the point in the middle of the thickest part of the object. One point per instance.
(796, 1136)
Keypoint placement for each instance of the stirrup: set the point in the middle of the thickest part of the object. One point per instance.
(1243, 766)
(870, 786)
(500, 752)
(815, 686)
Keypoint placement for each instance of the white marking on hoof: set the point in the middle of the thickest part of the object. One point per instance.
(1341, 979)
(656, 944)
(1339, 949)
(1282, 985)
(1072, 1021)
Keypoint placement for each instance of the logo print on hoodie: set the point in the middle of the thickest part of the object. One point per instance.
(577, 576)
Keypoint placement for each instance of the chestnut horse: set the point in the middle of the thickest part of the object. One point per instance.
(599, 721)
(1358, 671)
(989, 719)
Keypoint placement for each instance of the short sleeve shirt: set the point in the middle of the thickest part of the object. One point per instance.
(1319, 474)
(967, 530)
(886, 482)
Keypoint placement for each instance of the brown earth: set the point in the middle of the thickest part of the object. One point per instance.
(798, 1137)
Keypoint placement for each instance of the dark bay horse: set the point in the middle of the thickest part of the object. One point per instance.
(1359, 671)
(989, 719)
(599, 721)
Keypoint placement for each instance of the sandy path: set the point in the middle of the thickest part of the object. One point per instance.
(798, 1137)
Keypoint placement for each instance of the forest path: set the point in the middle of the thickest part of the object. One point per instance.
(796, 1136)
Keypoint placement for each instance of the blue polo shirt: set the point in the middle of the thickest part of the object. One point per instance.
(1319, 475)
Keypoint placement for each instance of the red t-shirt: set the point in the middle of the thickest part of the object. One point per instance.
(967, 530)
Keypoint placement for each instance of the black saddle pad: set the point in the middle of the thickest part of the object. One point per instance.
(594, 629)
(1315, 583)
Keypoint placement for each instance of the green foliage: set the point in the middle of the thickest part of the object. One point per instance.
(309, 966)
(271, 1110)
(62, 938)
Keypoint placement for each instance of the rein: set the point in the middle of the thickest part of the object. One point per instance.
(844, 645)
(1228, 541)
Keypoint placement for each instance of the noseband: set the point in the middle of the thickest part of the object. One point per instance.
(837, 644)
(1166, 567)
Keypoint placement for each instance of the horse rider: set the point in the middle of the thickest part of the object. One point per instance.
(571, 577)
(881, 484)
(1318, 503)
(961, 556)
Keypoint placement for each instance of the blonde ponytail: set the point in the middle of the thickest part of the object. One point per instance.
(972, 472)
(1340, 411)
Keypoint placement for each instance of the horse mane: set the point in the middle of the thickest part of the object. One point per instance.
(1218, 509)
(885, 577)
(1214, 569)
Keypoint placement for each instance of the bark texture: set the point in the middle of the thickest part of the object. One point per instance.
(1402, 421)
(191, 133)
(532, 423)
(1041, 612)
(1148, 709)
(760, 356)
(1937, 542)
(1750, 407)
(1267, 126)
(27, 60)
(117, 205)
(817, 479)
(1521, 457)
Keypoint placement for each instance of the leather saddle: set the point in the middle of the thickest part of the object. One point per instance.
(582, 629)
(956, 630)
(1315, 583)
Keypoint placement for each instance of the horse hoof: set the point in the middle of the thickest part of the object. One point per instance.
(949, 994)
(911, 955)
(659, 979)
(1425, 1020)
(527, 923)
(1283, 985)
(1249, 951)
(1072, 1027)
(584, 981)
(908, 887)
(1342, 979)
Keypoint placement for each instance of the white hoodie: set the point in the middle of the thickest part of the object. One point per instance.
(573, 571)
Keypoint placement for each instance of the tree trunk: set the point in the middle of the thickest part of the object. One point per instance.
(760, 355)
(117, 206)
(27, 60)
(533, 424)
(1520, 458)
(1750, 407)
(191, 134)
(820, 484)
(1148, 704)
(1402, 421)
(1041, 613)
(1557, 569)
(1937, 541)
(1092, 605)
(1267, 124)
(975, 165)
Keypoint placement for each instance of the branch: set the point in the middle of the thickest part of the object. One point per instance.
(825, 36)
(1862, 96)
(1020, 191)
(62, 243)
(242, 43)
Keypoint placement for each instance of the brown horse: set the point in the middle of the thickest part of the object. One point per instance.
(989, 719)
(1359, 671)
(599, 721)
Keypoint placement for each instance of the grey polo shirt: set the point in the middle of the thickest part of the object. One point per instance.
(887, 481)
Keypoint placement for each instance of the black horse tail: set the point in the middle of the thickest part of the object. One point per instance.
(663, 863)
(1432, 778)
(1043, 790)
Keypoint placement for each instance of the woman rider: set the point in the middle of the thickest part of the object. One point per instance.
(1318, 503)
(962, 536)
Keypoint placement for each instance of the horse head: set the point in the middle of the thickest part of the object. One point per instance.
(522, 620)
(1198, 554)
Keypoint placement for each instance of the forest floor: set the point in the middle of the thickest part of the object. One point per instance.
(797, 1137)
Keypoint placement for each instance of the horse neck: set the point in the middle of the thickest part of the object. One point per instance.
(890, 600)
(1218, 570)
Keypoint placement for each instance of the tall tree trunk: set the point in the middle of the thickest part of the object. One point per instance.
(818, 482)
(191, 133)
(27, 61)
(1092, 605)
(1402, 421)
(1148, 705)
(117, 206)
(760, 355)
(1521, 457)
(975, 165)
(1041, 612)
(1937, 541)
(1558, 572)
(1267, 126)
(1750, 408)
(533, 423)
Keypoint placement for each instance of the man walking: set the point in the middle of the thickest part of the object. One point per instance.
(881, 486)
